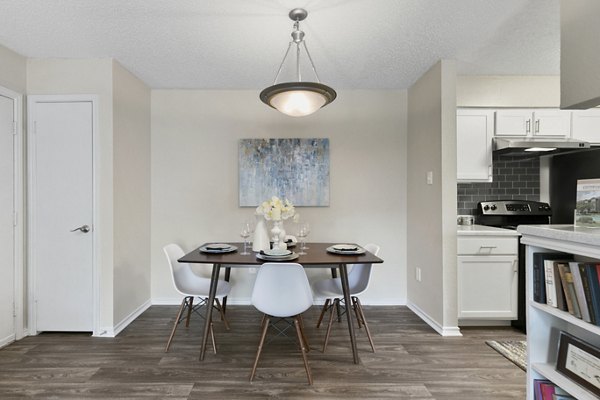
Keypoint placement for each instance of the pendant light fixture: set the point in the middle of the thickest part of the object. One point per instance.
(298, 98)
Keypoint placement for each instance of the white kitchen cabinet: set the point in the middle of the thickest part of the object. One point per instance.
(586, 125)
(474, 131)
(544, 322)
(487, 274)
(528, 122)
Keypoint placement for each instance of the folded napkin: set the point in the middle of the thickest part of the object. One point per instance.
(346, 248)
(274, 255)
(217, 247)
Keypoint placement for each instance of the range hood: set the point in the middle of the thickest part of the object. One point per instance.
(536, 146)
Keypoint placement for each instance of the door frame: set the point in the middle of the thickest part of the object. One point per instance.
(96, 226)
(18, 225)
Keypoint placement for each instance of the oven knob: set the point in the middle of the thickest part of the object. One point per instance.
(486, 207)
(494, 207)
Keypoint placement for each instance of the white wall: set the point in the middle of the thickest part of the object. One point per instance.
(579, 53)
(508, 91)
(13, 70)
(131, 203)
(432, 217)
(195, 177)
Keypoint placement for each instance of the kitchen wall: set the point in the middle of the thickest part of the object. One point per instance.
(432, 217)
(513, 177)
(195, 136)
(13, 70)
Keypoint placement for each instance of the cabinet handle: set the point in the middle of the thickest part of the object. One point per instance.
(528, 126)
(487, 247)
(537, 126)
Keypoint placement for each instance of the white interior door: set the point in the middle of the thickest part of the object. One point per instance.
(61, 193)
(7, 208)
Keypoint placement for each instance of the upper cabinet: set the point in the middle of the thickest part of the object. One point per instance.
(524, 122)
(586, 125)
(474, 131)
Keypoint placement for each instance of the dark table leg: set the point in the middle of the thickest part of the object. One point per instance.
(348, 301)
(337, 303)
(227, 275)
(209, 307)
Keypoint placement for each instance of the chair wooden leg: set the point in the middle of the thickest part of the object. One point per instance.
(212, 336)
(334, 306)
(303, 334)
(323, 311)
(265, 326)
(181, 308)
(356, 312)
(190, 307)
(303, 349)
(364, 320)
(222, 313)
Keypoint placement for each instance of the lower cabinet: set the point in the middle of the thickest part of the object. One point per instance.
(487, 278)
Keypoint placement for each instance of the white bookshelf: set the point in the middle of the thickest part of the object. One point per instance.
(544, 323)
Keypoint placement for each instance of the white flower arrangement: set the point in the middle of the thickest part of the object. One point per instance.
(276, 209)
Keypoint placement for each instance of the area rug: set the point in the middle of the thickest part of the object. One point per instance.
(513, 350)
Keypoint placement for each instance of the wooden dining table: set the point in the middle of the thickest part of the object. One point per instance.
(317, 257)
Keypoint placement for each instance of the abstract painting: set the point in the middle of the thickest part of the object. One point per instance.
(296, 169)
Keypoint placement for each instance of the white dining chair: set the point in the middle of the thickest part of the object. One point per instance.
(282, 290)
(331, 289)
(190, 285)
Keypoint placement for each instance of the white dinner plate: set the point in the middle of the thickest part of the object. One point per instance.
(289, 257)
(218, 248)
(349, 249)
(277, 252)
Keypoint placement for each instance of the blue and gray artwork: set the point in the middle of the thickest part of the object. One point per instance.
(296, 169)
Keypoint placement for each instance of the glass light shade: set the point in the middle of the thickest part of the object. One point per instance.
(540, 149)
(298, 103)
(298, 99)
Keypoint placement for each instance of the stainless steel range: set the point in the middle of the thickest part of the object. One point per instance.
(509, 214)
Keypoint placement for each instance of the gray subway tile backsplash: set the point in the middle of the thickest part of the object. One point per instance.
(514, 178)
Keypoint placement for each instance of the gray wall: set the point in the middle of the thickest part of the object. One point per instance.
(513, 178)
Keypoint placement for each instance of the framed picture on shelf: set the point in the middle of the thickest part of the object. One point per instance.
(579, 361)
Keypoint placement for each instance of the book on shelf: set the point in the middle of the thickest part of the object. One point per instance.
(539, 280)
(548, 390)
(568, 288)
(593, 309)
(555, 295)
(537, 388)
(594, 286)
(579, 292)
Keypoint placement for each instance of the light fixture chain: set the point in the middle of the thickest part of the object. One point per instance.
(312, 64)
(283, 61)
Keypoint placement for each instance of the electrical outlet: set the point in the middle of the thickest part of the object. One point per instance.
(252, 270)
(418, 274)
(430, 177)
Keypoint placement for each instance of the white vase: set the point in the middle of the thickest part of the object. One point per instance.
(282, 243)
(276, 234)
(260, 241)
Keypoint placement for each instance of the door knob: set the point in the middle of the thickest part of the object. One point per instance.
(82, 228)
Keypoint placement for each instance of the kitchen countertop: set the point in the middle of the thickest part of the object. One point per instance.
(568, 233)
(482, 230)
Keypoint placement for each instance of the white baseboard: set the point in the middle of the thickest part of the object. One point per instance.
(7, 340)
(442, 330)
(110, 332)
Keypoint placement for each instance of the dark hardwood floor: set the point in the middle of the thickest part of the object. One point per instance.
(412, 362)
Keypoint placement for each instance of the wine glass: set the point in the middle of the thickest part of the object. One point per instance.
(306, 226)
(245, 233)
(251, 227)
(302, 235)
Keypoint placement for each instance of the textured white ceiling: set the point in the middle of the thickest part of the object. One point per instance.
(238, 44)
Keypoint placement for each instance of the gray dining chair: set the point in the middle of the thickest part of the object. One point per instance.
(358, 279)
(282, 290)
(190, 285)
